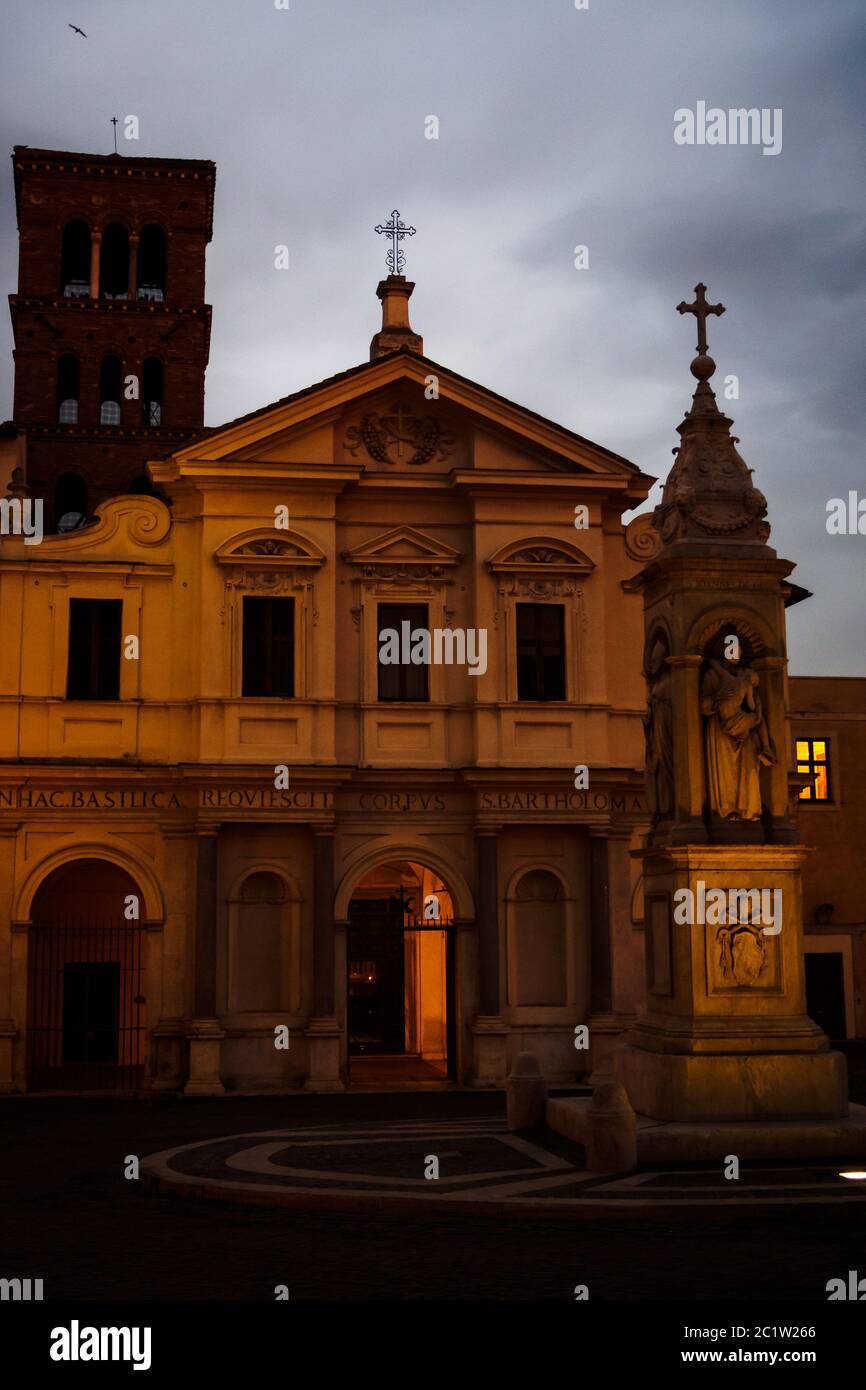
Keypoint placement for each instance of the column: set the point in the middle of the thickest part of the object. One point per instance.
(489, 1030)
(599, 926)
(323, 926)
(132, 284)
(95, 244)
(205, 925)
(171, 959)
(205, 1035)
(487, 917)
(603, 1029)
(323, 1033)
(9, 1025)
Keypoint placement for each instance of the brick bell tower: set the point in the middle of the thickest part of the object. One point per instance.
(111, 330)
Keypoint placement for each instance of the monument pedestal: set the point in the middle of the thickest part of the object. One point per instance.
(750, 1086)
(676, 1141)
(725, 1035)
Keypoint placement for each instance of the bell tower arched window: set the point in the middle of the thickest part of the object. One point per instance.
(70, 502)
(151, 399)
(75, 260)
(114, 262)
(110, 389)
(151, 264)
(67, 389)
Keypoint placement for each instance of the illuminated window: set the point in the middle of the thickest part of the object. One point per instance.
(812, 758)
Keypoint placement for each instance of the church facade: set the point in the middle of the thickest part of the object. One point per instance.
(321, 755)
(321, 733)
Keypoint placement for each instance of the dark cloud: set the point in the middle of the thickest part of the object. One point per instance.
(556, 129)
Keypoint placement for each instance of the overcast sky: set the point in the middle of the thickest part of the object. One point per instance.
(556, 129)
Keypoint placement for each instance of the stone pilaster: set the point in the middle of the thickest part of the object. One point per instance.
(489, 1029)
(171, 959)
(9, 1026)
(204, 1033)
(323, 1032)
(603, 1027)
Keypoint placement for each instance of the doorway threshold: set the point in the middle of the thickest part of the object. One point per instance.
(396, 1073)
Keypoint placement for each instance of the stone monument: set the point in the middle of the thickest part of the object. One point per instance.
(724, 1039)
(724, 1058)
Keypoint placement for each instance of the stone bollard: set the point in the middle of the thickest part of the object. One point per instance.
(526, 1093)
(611, 1144)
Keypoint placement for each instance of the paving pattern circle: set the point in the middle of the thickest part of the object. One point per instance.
(482, 1167)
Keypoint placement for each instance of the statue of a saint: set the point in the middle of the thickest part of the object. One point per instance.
(737, 739)
(658, 729)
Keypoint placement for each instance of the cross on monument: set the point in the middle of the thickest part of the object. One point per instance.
(114, 123)
(396, 230)
(700, 309)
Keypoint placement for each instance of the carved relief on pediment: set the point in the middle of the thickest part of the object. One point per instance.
(266, 551)
(540, 557)
(399, 436)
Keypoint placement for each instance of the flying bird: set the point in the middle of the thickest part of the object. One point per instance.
(77, 30)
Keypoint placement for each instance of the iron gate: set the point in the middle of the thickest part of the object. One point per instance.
(375, 976)
(85, 1016)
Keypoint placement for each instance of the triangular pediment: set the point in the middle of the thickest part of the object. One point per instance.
(351, 426)
(402, 546)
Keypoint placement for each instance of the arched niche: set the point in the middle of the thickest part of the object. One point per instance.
(264, 943)
(540, 939)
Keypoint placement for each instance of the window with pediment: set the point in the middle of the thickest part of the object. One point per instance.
(540, 612)
(402, 569)
(270, 612)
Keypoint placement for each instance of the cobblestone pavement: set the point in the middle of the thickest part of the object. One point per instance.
(479, 1166)
(69, 1215)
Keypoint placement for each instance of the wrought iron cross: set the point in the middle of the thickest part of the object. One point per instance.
(114, 123)
(701, 309)
(396, 230)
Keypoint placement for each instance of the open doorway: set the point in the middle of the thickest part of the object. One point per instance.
(86, 981)
(400, 985)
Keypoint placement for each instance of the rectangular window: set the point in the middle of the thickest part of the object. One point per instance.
(269, 647)
(540, 651)
(93, 670)
(401, 679)
(812, 757)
